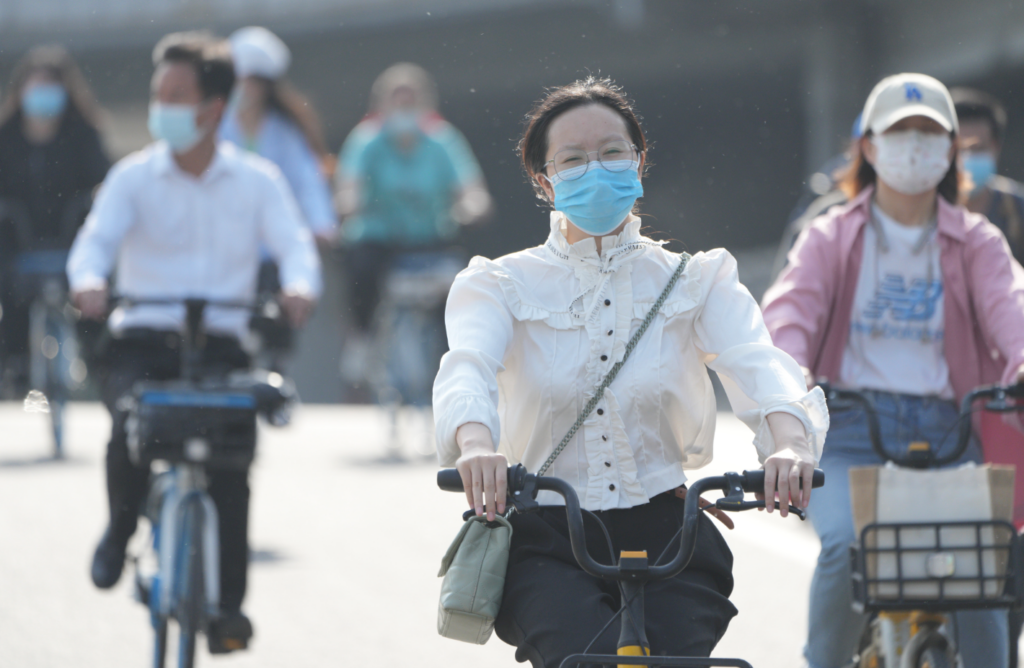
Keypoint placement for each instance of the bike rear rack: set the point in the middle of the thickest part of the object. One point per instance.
(925, 568)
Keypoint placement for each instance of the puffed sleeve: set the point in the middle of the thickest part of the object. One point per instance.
(479, 326)
(758, 377)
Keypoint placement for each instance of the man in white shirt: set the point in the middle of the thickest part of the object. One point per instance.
(185, 217)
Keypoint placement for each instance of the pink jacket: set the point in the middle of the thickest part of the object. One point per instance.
(808, 308)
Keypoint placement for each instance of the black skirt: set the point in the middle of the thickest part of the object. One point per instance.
(552, 608)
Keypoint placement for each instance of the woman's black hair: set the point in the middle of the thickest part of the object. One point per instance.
(293, 105)
(533, 146)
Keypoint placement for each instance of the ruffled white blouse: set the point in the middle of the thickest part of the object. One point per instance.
(532, 334)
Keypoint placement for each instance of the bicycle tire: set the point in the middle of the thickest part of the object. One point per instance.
(934, 652)
(55, 387)
(190, 603)
(57, 427)
(160, 644)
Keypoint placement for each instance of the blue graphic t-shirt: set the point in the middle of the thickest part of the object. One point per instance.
(897, 323)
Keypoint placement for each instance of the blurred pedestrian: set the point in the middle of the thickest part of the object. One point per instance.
(982, 129)
(51, 159)
(821, 193)
(267, 116)
(950, 319)
(185, 217)
(407, 179)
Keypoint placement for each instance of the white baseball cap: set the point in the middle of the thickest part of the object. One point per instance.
(903, 95)
(259, 52)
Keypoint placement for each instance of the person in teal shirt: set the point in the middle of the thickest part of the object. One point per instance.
(407, 180)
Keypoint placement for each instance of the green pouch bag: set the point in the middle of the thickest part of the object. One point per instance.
(474, 579)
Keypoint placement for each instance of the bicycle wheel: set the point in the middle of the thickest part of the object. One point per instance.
(160, 644)
(934, 652)
(192, 592)
(56, 388)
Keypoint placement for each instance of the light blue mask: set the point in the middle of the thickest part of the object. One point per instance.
(176, 125)
(600, 200)
(44, 100)
(981, 167)
(402, 123)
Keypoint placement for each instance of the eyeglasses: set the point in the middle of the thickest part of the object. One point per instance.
(571, 164)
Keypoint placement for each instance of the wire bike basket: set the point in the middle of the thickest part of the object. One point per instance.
(936, 566)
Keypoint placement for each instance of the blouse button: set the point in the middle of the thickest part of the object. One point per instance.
(604, 358)
(611, 487)
(609, 332)
(608, 464)
(604, 437)
(600, 411)
(607, 302)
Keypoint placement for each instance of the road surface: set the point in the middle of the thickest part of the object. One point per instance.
(346, 549)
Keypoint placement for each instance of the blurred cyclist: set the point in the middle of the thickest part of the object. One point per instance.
(906, 295)
(982, 128)
(186, 217)
(270, 118)
(406, 180)
(51, 158)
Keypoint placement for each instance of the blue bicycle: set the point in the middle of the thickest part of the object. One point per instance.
(54, 367)
(190, 426)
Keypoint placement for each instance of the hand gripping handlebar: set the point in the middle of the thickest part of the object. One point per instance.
(523, 488)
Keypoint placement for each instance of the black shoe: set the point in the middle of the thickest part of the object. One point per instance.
(107, 562)
(231, 631)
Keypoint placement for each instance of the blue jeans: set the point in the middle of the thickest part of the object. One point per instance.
(834, 629)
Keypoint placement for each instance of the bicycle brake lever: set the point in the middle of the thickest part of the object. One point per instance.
(727, 503)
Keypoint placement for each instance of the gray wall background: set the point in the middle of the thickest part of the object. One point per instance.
(741, 100)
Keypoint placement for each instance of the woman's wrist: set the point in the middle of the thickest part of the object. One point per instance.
(788, 432)
(474, 437)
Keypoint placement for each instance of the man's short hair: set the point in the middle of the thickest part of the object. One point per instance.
(209, 56)
(976, 105)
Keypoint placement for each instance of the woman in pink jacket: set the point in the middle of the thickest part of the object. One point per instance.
(904, 294)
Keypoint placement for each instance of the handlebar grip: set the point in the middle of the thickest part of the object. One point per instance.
(449, 480)
(753, 481)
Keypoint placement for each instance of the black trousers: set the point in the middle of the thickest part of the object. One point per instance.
(152, 355)
(552, 608)
(366, 265)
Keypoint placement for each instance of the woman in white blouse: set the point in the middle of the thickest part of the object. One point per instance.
(532, 335)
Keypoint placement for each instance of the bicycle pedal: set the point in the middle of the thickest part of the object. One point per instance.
(229, 635)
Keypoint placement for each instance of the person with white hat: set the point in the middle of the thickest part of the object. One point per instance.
(270, 118)
(903, 294)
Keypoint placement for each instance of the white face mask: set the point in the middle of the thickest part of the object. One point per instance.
(912, 162)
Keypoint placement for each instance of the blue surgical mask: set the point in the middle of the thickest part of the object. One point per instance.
(44, 100)
(176, 125)
(981, 167)
(600, 200)
(402, 123)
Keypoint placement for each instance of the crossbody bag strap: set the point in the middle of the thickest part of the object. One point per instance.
(589, 408)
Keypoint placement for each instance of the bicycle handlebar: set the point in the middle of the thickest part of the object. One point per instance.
(522, 484)
(999, 400)
(129, 300)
